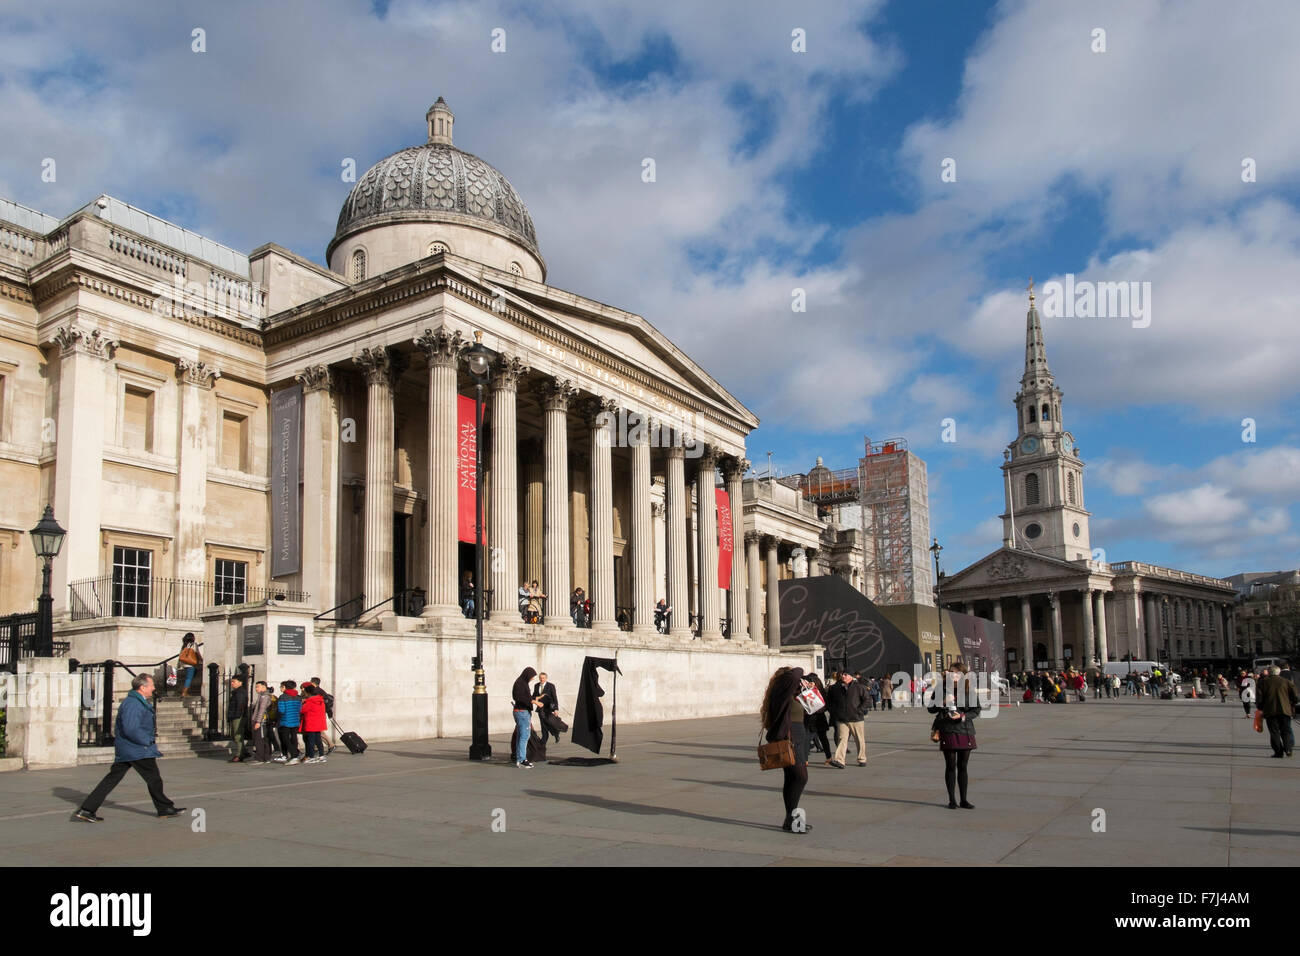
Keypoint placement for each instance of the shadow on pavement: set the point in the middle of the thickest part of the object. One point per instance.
(642, 809)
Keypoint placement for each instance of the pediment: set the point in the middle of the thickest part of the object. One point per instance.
(1011, 567)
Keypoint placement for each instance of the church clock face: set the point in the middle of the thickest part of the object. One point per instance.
(1029, 445)
(1068, 444)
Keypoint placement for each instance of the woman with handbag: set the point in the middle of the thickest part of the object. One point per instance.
(954, 730)
(778, 715)
(190, 659)
(818, 724)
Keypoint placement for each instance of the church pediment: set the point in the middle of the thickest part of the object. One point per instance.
(1011, 567)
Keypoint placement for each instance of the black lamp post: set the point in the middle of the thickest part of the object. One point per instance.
(47, 539)
(938, 601)
(479, 360)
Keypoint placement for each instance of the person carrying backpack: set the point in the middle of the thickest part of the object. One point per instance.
(329, 713)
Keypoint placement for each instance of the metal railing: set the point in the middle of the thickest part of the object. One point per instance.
(171, 599)
(18, 640)
(624, 617)
(348, 612)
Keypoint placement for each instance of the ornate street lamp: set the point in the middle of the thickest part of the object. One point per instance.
(479, 360)
(47, 539)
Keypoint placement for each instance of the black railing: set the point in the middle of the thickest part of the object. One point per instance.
(171, 599)
(18, 640)
(98, 695)
(724, 625)
(467, 603)
(347, 612)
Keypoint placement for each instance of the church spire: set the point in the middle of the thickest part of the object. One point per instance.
(1037, 372)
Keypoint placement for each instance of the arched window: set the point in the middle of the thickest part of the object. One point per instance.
(1069, 487)
(1031, 489)
(1047, 412)
(1032, 419)
(358, 265)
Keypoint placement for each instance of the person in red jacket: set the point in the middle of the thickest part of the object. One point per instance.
(313, 723)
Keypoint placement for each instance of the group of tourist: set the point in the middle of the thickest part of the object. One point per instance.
(273, 722)
(846, 700)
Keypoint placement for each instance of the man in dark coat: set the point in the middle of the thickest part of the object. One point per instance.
(134, 748)
(549, 710)
(235, 715)
(1276, 698)
(847, 702)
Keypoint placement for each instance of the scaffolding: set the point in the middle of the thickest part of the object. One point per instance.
(895, 517)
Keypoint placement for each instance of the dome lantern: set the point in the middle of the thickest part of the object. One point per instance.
(440, 119)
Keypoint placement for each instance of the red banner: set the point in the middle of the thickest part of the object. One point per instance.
(466, 472)
(725, 540)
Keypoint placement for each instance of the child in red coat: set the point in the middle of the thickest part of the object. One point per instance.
(313, 723)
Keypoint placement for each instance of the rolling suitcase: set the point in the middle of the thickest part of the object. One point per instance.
(352, 741)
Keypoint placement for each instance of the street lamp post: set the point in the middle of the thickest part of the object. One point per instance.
(479, 360)
(47, 539)
(938, 601)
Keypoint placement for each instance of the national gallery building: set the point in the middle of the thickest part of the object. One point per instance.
(273, 455)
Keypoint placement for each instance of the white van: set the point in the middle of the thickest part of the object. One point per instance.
(1122, 668)
(1259, 663)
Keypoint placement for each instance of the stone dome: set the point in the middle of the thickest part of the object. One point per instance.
(436, 183)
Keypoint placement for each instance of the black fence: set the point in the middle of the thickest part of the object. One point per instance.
(170, 599)
(18, 640)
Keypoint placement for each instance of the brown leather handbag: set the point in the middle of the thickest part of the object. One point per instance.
(777, 754)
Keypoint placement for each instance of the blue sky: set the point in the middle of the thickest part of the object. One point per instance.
(777, 170)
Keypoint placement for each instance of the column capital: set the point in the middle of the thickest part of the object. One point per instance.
(658, 509)
(675, 451)
(507, 372)
(442, 347)
(75, 338)
(597, 409)
(709, 460)
(380, 365)
(753, 537)
(316, 378)
(734, 467)
(771, 542)
(200, 374)
(557, 393)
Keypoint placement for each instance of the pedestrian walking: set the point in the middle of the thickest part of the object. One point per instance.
(817, 724)
(523, 710)
(873, 688)
(134, 748)
(1223, 689)
(778, 712)
(886, 693)
(189, 661)
(313, 723)
(236, 712)
(289, 708)
(847, 703)
(261, 729)
(954, 729)
(1277, 702)
(1247, 695)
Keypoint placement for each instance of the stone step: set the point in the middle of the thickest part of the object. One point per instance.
(89, 756)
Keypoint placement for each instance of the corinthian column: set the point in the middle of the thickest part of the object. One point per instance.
(320, 484)
(773, 591)
(1086, 607)
(675, 505)
(643, 548)
(600, 414)
(733, 472)
(504, 562)
(381, 367)
(555, 399)
(443, 349)
(1058, 651)
(534, 499)
(1102, 651)
(707, 507)
(755, 604)
(196, 380)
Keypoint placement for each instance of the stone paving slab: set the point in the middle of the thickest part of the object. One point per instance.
(1182, 783)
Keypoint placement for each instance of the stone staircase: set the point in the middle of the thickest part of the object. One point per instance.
(181, 722)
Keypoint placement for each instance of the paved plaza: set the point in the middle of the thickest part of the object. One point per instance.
(1181, 783)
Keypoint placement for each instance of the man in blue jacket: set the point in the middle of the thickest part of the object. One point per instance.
(133, 746)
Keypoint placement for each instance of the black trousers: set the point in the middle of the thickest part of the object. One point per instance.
(288, 741)
(1280, 734)
(147, 768)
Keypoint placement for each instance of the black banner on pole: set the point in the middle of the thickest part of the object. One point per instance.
(286, 473)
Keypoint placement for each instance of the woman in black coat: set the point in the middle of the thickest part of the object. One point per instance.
(956, 728)
(819, 723)
(781, 723)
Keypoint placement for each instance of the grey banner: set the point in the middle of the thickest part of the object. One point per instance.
(286, 473)
(254, 640)
(291, 639)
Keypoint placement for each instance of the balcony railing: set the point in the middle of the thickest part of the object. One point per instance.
(169, 599)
